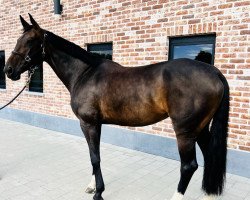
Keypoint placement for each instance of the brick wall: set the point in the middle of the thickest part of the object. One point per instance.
(139, 30)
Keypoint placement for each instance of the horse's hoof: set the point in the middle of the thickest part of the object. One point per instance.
(97, 197)
(90, 190)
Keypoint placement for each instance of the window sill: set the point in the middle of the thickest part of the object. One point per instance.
(40, 94)
(3, 90)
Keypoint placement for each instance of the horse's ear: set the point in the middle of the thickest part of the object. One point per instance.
(33, 22)
(25, 24)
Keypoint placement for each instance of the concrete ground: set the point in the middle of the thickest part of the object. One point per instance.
(38, 164)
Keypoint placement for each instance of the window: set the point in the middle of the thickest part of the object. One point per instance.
(36, 82)
(2, 74)
(194, 47)
(105, 50)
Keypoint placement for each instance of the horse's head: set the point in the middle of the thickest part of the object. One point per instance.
(28, 52)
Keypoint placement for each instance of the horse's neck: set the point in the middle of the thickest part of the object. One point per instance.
(67, 68)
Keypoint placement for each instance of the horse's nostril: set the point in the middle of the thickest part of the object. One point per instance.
(10, 70)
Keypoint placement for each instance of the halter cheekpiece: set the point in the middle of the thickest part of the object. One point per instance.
(28, 58)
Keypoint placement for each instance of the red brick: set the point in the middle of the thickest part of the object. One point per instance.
(182, 12)
(146, 8)
(188, 6)
(242, 89)
(188, 17)
(232, 136)
(244, 148)
(228, 66)
(224, 6)
(216, 13)
(162, 20)
(235, 71)
(140, 32)
(158, 6)
(246, 78)
(194, 21)
(135, 28)
(232, 55)
(242, 3)
(240, 26)
(237, 60)
(237, 131)
(245, 116)
(245, 32)
(126, 4)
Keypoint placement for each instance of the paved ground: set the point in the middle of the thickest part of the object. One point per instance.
(38, 164)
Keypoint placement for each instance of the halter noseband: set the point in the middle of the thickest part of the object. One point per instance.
(27, 59)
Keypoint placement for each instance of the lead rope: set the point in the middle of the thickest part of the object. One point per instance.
(31, 72)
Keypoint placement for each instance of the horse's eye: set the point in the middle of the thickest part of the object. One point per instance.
(30, 41)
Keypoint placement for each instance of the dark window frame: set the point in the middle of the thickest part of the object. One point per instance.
(192, 40)
(92, 47)
(33, 88)
(3, 86)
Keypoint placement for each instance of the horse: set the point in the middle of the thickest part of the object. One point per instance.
(195, 96)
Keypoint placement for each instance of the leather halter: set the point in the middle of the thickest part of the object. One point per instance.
(29, 57)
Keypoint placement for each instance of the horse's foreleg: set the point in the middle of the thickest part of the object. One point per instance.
(189, 165)
(92, 134)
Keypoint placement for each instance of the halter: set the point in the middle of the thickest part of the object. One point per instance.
(28, 58)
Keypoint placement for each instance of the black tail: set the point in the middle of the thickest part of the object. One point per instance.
(215, 160)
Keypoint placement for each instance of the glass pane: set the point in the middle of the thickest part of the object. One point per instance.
(36, 83)
(201, 52)
(103, 50)
(104, 54)
(100, 47)
(2, 75)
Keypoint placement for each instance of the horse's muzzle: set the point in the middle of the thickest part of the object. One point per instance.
(9, 71)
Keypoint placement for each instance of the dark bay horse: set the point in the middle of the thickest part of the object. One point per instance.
(191, 93)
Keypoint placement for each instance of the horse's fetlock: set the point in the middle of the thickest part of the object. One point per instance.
(100, 188)
(98, 196)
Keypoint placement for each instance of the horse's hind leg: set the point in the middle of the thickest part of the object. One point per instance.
(189, 164)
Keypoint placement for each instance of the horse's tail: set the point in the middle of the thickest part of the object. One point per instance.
(215, 159)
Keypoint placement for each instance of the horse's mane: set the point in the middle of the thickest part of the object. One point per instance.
(74, 50)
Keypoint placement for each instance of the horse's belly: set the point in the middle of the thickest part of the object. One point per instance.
(134, 118)
(138, 108)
